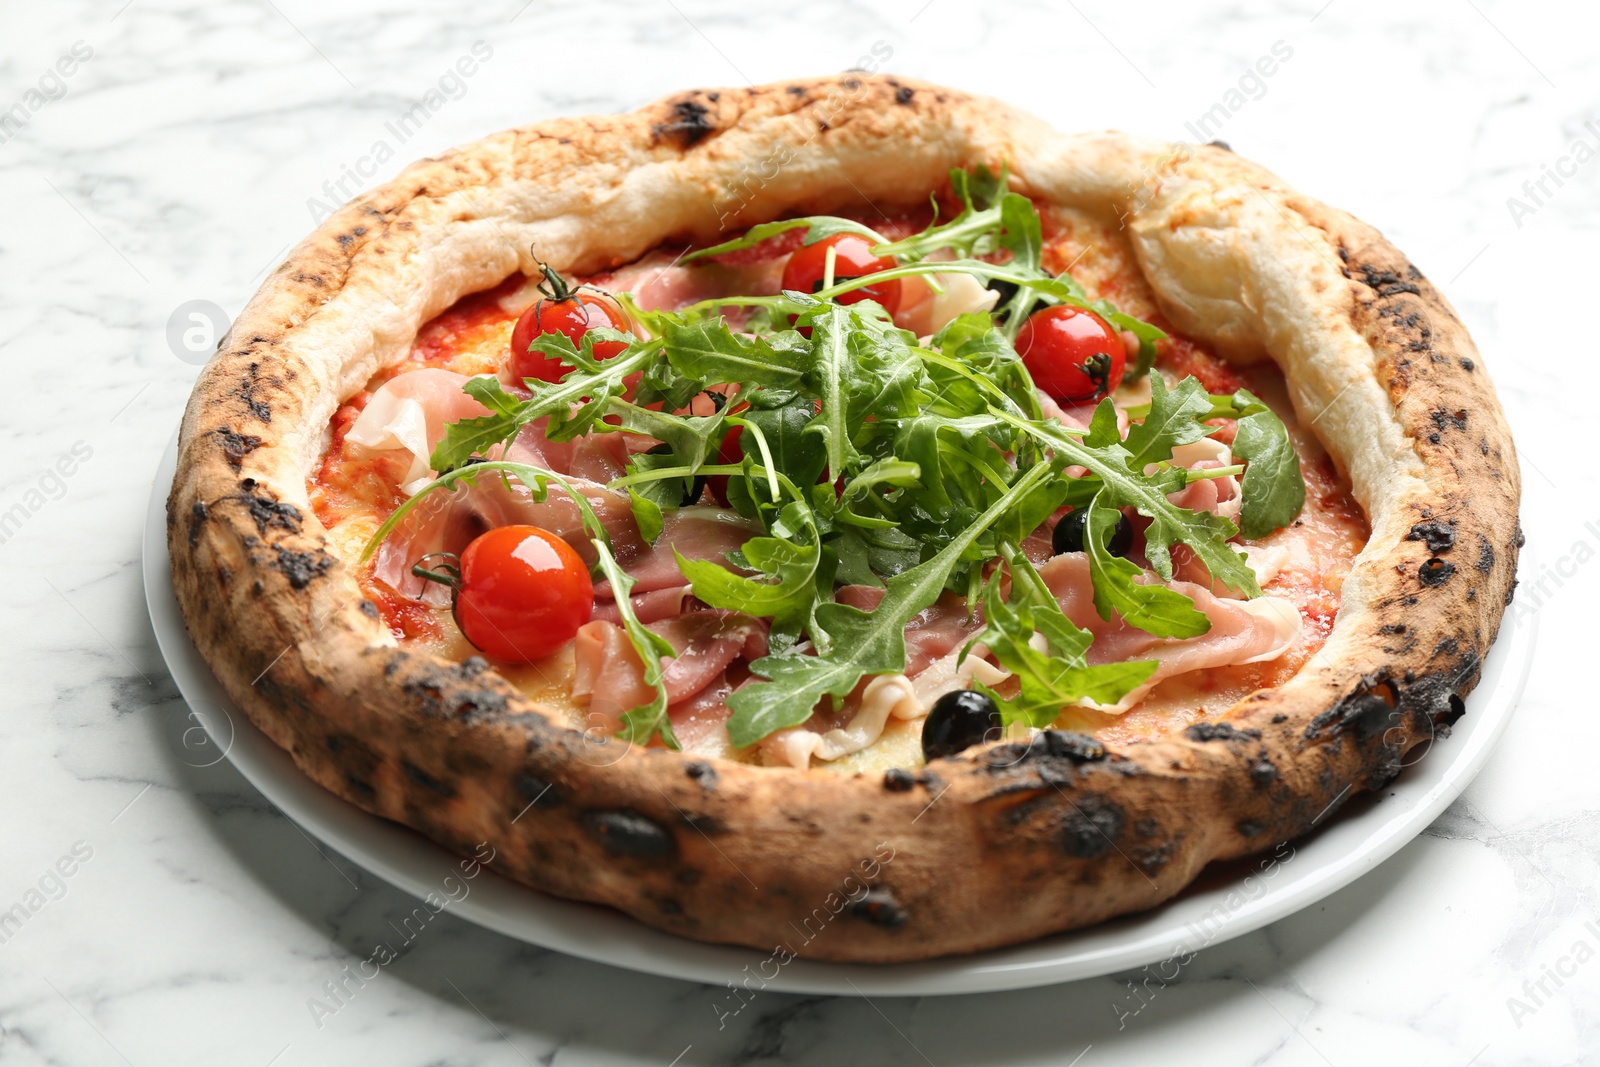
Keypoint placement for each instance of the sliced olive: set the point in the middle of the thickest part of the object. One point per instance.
(1068, 534)
(692, 495)
(958, 721)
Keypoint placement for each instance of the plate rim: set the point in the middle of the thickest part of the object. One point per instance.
(398, 855)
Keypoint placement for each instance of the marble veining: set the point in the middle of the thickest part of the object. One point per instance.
(188, 148)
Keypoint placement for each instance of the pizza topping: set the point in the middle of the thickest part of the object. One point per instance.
(844, 257)
(571, 313)
(958, 721)
(889, 493)
(1073, 354)
(519, 593)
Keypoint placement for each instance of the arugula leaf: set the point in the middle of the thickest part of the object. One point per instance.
(1205, 534)
(1058, 677)
(861, 643)
(1171, 420)
(1273, 488)
(817, 227)
(590, 387)
(708, 351)
(646, 515)
(1155, 609)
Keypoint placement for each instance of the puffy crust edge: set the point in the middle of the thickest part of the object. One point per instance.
(1000, 845)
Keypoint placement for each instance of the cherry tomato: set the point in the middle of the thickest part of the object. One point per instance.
(574, 316)
(730, 452)
(853, 258)
(523, 593)
(1073, 354)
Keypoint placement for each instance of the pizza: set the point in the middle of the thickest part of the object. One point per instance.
(846, 515)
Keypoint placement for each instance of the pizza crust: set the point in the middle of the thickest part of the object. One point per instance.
(1002, 844)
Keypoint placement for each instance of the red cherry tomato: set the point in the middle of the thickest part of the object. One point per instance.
(730, 452)
(1072, 354)
(523, 593)
(853, 258)
(574, 316)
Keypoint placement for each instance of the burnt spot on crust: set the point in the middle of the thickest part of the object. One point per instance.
(426, 780)
(1226, 147)
(370, 610)
(880, 908)
(1438, 536)
(690, 124)
(235, 445)
(1153, 859)
(1249, 828)
(1220, 731)
(1446, 420)
(435, 681)
(903, 94)
(702, 772)
(1091, 825)
(1365, 712)
(347, 239)
(1467, 364)
(1263, 772)
(266, 510)
(1392, 628)
(197, 516)
(627, 833)
(898, 780)
(535, 792)
(246, 392)
(1485, 562)
(301, 568)
(357, 759)
(1386, 282)
(1054, 755)
(1435, 572)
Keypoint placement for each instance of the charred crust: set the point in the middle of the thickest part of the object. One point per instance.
(266, 510)
(369, 609)
(1438, 536)
(247, 391)
(1449, 420)
(301, 568)
(1090, 826)
(1249, 828)
(690, 124)
(427, 781)
(197, 518)
(627, 833)
(880, 908)
(235, 445)
(898, 780)
(1485, 562)
(702, 772)
(1263, 772)
(1385, 282)
(904, 94)
(1220, 731)
(1436, 572)
(535, 792)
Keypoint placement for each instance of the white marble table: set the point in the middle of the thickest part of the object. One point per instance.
(187, 152)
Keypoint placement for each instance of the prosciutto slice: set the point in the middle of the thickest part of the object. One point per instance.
(410, 411)
(1242, 631)
(610, 675)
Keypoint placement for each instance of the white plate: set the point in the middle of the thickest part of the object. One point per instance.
(1225, 903)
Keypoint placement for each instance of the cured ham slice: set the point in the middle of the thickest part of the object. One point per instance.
(410, 411)
(1242, 631)
(610, 675)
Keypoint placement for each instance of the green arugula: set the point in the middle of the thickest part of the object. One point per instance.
(868, 457)
(1053, 678)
